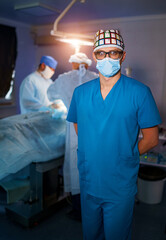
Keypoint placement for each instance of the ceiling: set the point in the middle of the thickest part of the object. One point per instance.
(38, 12)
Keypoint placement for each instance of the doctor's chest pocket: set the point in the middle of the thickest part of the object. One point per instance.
(82, 165)
(127, 170)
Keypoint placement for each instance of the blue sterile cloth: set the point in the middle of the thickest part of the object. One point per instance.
(32, 137)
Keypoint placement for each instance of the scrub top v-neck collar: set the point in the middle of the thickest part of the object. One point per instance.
(110, 99)
(111, 92)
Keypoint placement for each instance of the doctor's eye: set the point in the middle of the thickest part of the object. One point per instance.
(115, 54)
(100, 55)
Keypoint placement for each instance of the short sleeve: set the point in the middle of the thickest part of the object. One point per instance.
(148, 114)
(72, 113)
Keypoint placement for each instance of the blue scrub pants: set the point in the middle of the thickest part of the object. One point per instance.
(104, 220)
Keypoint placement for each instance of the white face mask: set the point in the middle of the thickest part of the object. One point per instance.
(47, 73)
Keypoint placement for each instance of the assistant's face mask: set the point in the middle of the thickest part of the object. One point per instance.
(47, 73)
(108, 67)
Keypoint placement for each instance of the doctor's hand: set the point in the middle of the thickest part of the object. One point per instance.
(55, 106)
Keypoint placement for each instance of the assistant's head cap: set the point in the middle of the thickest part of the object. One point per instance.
(49, 61)
(108, 38)
(80, 58)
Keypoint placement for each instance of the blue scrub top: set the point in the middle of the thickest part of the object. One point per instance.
(108, 156)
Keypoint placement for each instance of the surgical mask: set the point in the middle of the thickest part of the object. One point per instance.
(47, 73)
(108, 67)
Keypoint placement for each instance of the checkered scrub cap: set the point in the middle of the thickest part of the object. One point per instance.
(108, 38)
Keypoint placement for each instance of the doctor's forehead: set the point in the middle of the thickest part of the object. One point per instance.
(108, 49)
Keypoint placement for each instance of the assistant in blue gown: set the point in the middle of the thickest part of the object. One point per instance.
(108, 156)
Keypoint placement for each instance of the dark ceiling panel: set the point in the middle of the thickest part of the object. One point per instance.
(90, 10)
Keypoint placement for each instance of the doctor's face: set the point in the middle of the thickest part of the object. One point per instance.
(75, 66)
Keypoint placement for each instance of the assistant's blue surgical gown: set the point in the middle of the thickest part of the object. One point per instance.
(108, 156)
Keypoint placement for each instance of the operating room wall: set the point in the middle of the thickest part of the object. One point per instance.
(25, 62)
(145, 47)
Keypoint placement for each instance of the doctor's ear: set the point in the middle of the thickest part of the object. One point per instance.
(42, 66)
(94, 58)
(123, 57)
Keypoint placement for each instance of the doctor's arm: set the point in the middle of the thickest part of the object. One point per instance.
(29, 100)
(149, 140)
(75, 126)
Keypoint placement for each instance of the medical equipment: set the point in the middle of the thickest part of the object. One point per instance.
(80, 39)
(37, 140)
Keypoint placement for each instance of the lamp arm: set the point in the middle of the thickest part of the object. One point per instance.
(55, 27)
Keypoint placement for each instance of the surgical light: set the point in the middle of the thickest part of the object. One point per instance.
(73, 38)
(76, 41)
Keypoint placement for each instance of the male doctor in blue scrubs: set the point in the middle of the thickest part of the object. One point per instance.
(108, 113)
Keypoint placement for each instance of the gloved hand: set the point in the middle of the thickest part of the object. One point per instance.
(54, 106)
(59, 109)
